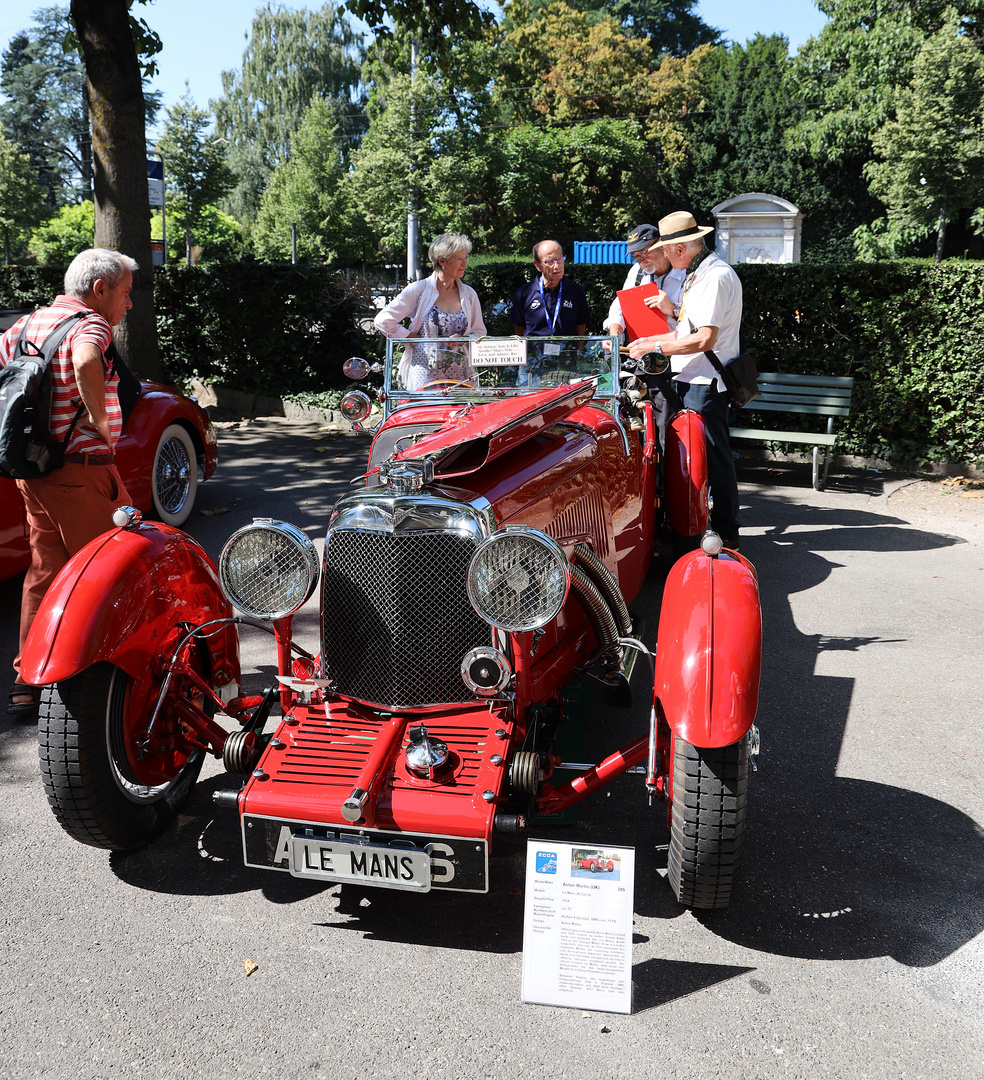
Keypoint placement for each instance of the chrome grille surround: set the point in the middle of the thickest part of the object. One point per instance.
(395, 616)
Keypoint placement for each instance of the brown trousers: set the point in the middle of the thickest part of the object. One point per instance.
(65, 510)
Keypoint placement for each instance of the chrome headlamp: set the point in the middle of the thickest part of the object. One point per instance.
(355, 406)
(268, 569)
(518, 579)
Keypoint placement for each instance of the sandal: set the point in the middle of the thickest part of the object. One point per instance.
(25, 710)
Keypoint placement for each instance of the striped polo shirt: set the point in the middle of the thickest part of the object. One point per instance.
(65, 398)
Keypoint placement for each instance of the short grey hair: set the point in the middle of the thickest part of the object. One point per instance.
(694, 247)
(89, 266)
(540, 243)
(447, 245)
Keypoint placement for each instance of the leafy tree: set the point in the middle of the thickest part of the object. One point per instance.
(42, 75)
(394, 154)
(44, 108)
(672, 26)
(932, 153)
(119, 152)
(20, 198)
(559, 67)
(291, 57)
(580, 181)
(217, 236)
(436, 25)
(58, 240)
(195, 170)
(307, 191)
(736, 142)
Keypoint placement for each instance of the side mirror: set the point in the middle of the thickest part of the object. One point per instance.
(356, 368)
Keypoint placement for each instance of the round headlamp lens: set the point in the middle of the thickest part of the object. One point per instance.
(355, 406)
(268, 569)
(518, 579)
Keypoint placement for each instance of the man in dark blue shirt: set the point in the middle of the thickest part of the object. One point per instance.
(550, 305)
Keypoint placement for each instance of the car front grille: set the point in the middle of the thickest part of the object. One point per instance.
(396, 620)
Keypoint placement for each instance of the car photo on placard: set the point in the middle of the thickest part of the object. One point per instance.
(592, 862)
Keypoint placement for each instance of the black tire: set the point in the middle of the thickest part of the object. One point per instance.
(710, 790)
(101, 792)
(593, 868)
(174, 480)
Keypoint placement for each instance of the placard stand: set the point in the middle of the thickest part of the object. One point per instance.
(577, 934)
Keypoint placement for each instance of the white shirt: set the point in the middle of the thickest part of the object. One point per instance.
(711, 297)
(671, 283)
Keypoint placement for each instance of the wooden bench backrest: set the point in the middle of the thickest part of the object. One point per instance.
(818, 395)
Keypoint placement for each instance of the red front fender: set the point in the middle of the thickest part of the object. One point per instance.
(120, 598)
(685, 471)
(709, 653)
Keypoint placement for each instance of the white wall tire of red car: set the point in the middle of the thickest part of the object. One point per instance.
(174, 479)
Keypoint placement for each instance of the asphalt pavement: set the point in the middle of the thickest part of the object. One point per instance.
(852, 947)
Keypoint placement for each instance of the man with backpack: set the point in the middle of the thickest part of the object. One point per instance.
(73, 503)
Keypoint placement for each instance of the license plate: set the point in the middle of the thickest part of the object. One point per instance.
(381, 865)
(457, 863)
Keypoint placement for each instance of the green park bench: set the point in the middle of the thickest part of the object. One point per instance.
(812, 395)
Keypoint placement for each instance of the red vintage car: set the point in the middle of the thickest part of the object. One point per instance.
(506, 520)
(596, 864)
(167, 446)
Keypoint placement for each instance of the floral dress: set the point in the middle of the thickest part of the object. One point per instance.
(432, 362)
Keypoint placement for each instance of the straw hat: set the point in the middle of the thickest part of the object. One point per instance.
(680, 227)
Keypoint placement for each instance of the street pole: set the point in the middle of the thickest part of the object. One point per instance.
(413, 226)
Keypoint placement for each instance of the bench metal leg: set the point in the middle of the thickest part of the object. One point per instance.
(820, 482)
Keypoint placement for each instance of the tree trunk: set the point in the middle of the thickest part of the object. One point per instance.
(119, 157)
(941, 232)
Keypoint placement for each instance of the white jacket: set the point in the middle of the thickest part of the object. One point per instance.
(417, 299)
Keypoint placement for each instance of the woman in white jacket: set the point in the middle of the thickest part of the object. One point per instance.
(440, 306)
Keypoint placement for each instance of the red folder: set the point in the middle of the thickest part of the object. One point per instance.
(640, 320)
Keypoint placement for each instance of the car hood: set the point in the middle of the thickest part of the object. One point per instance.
(473, 436)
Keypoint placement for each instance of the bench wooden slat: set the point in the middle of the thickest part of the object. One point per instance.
(811, 438)
(801, 407)
(782, 390)
(806, 380)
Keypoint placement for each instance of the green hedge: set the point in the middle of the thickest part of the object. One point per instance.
(912, 335)
(256, 327)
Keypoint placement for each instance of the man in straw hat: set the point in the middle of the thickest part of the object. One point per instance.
(708, 317)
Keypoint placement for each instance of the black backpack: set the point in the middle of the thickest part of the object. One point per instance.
(27, 449)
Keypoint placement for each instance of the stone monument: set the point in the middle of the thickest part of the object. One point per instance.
(757, 228)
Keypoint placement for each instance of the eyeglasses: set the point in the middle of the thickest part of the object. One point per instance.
(554, 262)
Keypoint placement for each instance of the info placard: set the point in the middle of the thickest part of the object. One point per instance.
(498, 352)
(577, 936)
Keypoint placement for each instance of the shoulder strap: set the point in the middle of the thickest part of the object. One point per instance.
(49, 346)
(712, 356)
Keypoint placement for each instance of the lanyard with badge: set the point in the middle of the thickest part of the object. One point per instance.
(553, 321)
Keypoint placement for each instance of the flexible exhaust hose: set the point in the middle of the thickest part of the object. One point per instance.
(607, 585)
(597, 610)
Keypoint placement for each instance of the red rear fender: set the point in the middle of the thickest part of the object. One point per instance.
(709, 652)
(686, 473)
(120, 598)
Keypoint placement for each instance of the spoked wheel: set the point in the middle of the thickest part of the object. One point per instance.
(106, 788)
(175, 476)
(708, 822)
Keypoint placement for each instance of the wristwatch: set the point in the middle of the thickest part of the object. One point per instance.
(676, 313)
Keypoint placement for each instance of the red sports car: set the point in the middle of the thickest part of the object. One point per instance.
(481, 573)
(167, 446)
(596, 865)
